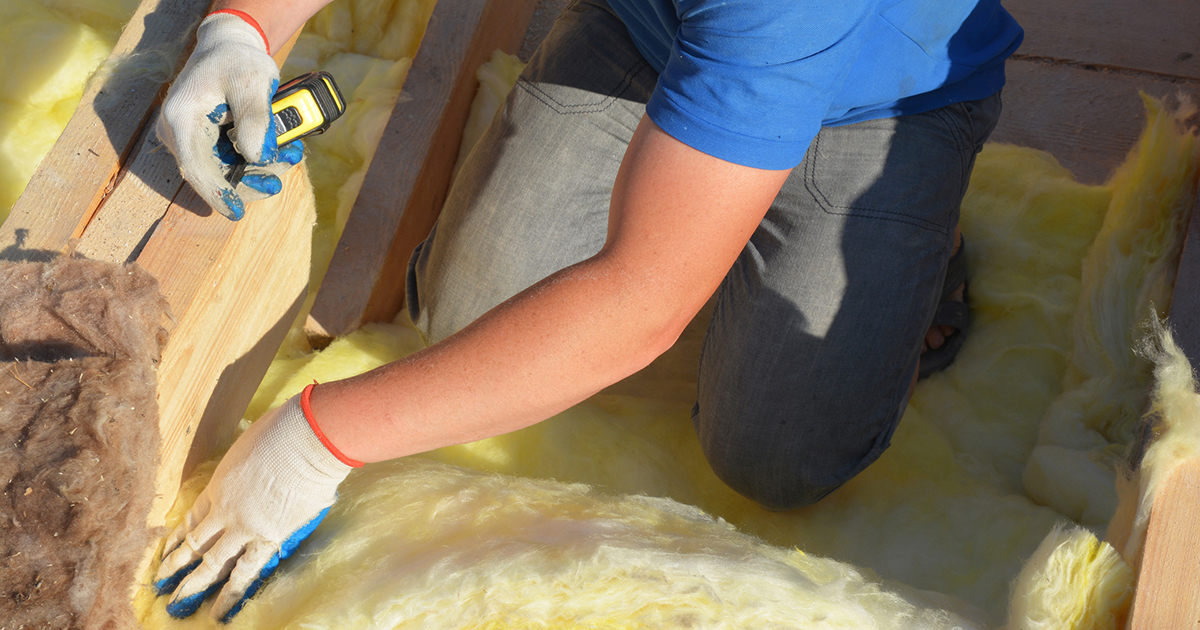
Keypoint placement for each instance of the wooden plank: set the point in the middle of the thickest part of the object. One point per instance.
(1157, 36)
(74, 177)
(140, 197)
(406, 184)
(143, 192)
(1167, 596)
(235, 288)
(1088, 119)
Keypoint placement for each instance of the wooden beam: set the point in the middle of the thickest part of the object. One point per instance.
(1167, 594)
(1152, 36)
(77, 174)
(143, 192)
(141, 195)
(234, 288)
(407, 181)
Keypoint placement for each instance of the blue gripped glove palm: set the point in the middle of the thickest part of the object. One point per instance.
(269, 492)
(229, 77)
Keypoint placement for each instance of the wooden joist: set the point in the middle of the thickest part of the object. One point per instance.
(81, 169)
(1167, 581)
(234, 289)
(410, 174)
(109, 191)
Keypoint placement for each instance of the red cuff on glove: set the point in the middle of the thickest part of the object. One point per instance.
(249, 20)
(312, 423)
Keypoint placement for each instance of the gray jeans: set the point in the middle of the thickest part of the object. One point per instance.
(818, 326)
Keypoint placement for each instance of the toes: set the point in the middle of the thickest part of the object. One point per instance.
(934, 338)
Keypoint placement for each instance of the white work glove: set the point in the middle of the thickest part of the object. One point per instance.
(269, 492)
(229, 77)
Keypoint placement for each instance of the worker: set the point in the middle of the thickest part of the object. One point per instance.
(804, 162)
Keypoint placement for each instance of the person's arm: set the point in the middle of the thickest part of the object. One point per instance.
(678, 220)
(279, 19)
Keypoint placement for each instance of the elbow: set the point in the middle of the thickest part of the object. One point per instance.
(651, 309)
(659, 334)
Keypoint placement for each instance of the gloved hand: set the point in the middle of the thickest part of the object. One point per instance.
(229, 77)
(269, 492)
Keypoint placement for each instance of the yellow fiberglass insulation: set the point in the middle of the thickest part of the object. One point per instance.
(1073, 581)
(419, 544)
(1018, 437)
(944, 521)
(1172, 422)
(50, 47)
(367, 45)
(1089, 425)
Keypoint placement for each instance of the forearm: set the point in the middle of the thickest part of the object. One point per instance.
(279, 19)
(541, 352)
(678, 220)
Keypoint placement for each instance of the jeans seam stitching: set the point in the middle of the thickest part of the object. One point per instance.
(810, 184)
(604, 103)
(966, 147)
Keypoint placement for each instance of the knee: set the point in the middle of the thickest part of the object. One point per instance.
(443, 298)
(789, 463)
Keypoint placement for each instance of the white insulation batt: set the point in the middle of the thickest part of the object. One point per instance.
(980, 515)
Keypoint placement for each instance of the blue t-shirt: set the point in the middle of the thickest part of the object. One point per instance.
(752, 81)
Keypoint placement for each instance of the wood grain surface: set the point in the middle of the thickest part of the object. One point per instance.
(1167, 595)
(74, 178)
(1152, 36)
(407, 181)
(1086, 118)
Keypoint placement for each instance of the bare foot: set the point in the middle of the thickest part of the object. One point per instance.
(936, 336)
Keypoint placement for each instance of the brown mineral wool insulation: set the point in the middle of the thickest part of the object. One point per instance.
(79, 340)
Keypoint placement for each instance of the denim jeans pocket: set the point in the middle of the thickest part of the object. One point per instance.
(594, 64)
(592, 98)
(983, 115)
(909, 169)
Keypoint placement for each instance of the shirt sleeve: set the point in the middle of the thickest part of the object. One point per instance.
(750, 81)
